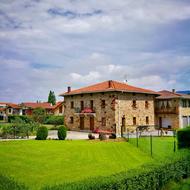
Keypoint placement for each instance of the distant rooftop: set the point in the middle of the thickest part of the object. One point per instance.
(165, 94)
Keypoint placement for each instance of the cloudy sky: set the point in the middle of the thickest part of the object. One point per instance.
(51, 44)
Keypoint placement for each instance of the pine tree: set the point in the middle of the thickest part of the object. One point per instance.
(52, 98)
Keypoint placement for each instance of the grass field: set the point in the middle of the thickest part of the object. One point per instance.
(38, 163)
(161, 146)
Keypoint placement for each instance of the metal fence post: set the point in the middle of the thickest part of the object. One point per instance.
(137, 138)
(174, 135)
(151, 144)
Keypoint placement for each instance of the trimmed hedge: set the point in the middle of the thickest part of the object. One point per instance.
(25, 118)
(62, 132)
(7, 183)
(150, 177)
(54, 120)
(183, 137)
(42, 133)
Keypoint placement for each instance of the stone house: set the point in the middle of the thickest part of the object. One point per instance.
(109, 105)
(172, 109)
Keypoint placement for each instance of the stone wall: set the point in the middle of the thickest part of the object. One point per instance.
(108, 112)
(125, 109)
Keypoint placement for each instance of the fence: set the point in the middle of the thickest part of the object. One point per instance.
(157, 143)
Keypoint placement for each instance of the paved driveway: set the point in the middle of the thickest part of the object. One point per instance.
(74, 135)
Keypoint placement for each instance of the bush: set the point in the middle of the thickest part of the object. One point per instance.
(151, 176)
(7, 183)
(112, 136)
(25, 118)
(102, 136)
(183, 137)
(42, 133)
(90, 136)
(54, 120)
(62, 132)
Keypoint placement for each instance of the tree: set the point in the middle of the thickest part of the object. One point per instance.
(39, 115)
(51, 98)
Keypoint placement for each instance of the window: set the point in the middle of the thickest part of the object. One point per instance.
(134, 121)
(147, 120)
(103, 103)
(103, 121)
(92, 104)
(189, 104)
(10, 110)
(146, 104)
(81, 105)
(61, 109)
(72, 105)
(184, 103)
(71, 120)
(134, 104)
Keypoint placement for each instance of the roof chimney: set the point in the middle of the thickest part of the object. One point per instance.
(173, 90)
(69, 89)
(109, 84)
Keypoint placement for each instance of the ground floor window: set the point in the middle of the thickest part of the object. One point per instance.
(71, 120)
(103, 121)
(147, 120)
(134, 121)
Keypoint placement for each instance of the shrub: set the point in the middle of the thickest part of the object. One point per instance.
(112, 136)
(54, 120)
(62, 132)
(25, 118)
(90, 136)
(7, 183)
(151, 176)
(42, 133)
(183, 137)
(102, 136)
(38, 115)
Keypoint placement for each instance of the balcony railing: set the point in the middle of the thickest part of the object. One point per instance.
(167, 110)
(86, 110)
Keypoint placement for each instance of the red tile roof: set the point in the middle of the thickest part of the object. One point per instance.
(12, 105)
(34, 105)
(108, 86)
(57, 105)
(165, 94)
(2, 109)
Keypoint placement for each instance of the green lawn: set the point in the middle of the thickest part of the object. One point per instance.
(161, 146)
(38, 163)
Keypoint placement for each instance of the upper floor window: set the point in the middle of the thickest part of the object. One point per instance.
(146, 104)
(92, 104)
(81, 105)
(103, 103)
(134, 121)
(184, 103)
(72, 105)
(134, 104)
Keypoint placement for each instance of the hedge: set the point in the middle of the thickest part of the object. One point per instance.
(150, 177)
(25, 118)
(7, 183)
(54, 120)
(183, 137)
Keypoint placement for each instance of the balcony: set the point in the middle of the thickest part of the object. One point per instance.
(173, 110)
(85, 111)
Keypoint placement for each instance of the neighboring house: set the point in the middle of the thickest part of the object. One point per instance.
(58, 109)
(172, 110)
(108, 106)
(28, 107)
(2, 110)
(13, 109)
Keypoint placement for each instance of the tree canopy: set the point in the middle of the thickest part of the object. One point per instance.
(52, 98)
